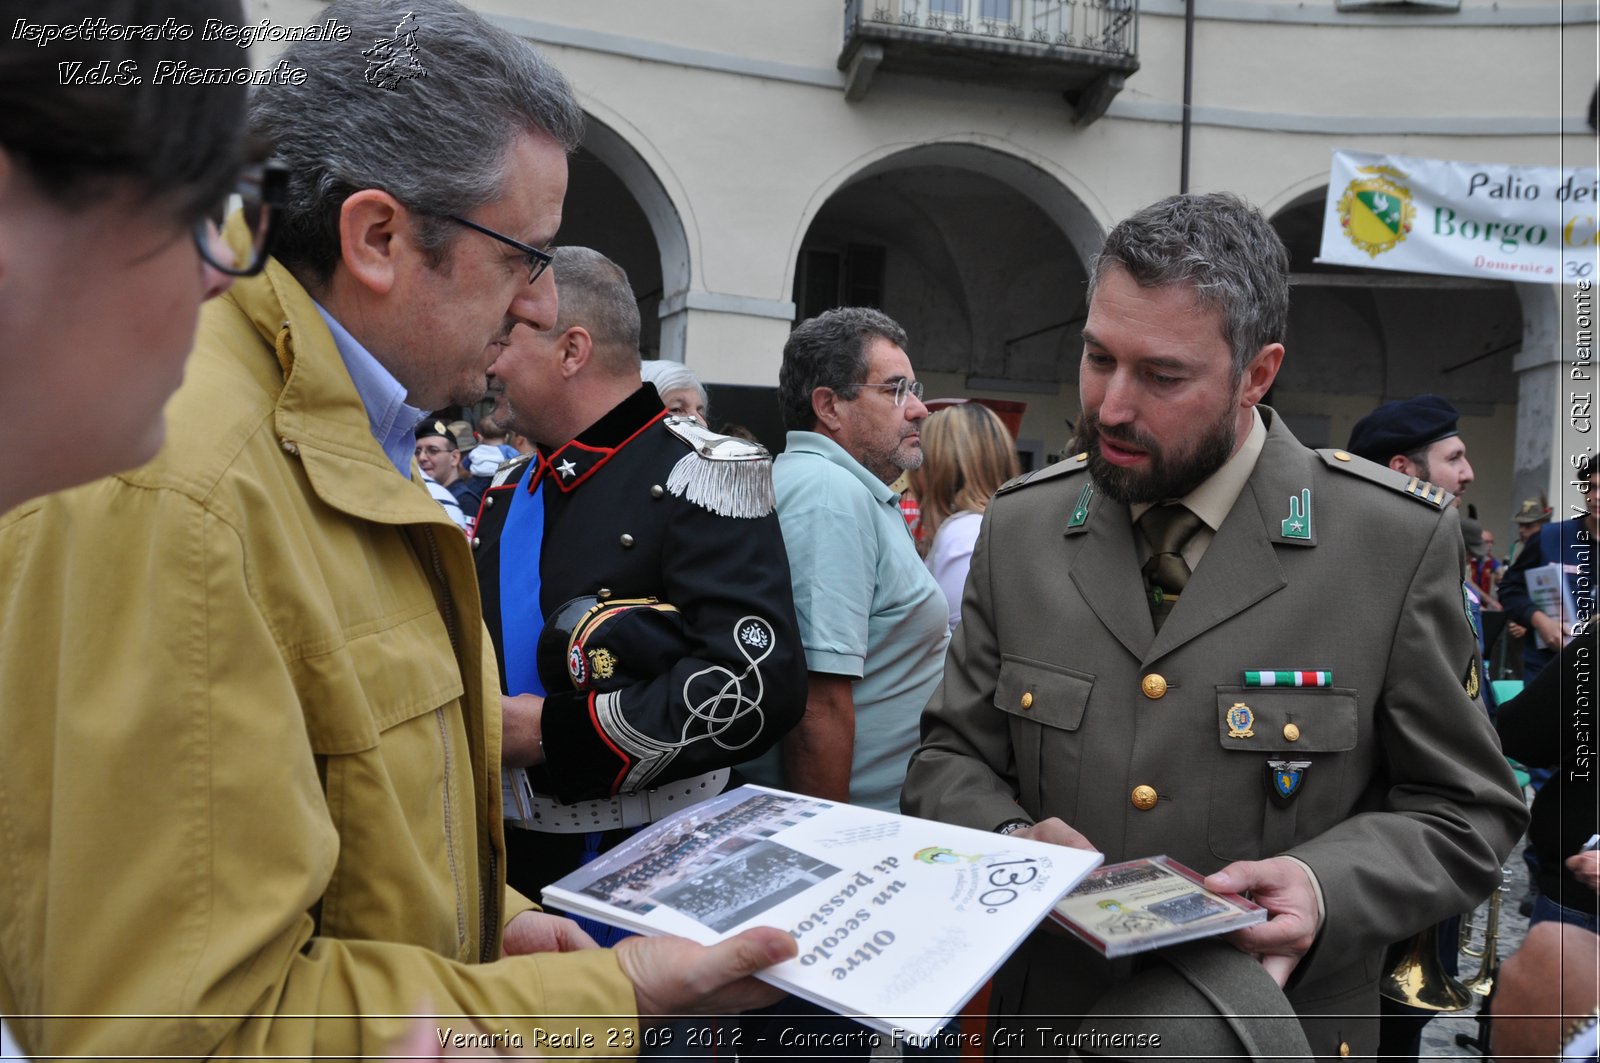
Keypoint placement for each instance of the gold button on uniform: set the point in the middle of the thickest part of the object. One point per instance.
(1144, 798)
(1291, 733)
(1344, 1048)
(1153, 685)
(1341, 455)
(1027, 699)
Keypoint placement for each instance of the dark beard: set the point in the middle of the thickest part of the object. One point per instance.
(1163, 481)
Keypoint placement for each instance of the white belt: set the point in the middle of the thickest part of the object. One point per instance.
(530, 810)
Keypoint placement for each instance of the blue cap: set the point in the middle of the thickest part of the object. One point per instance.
(1402, 427)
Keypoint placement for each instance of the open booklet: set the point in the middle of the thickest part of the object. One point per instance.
(1146, 904)
(899, 920)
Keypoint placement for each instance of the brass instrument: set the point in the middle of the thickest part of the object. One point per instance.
(1489, 953)
(1417, 977)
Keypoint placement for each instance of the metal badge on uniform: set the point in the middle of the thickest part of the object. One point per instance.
(1240, 720)
(1472, 683)
(1080, 512)
(1285, 779)
(1297, 525)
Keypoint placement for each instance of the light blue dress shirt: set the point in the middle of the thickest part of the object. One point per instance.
(393, 423)
(868, 608)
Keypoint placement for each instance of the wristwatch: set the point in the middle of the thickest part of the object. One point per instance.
(1011, 826)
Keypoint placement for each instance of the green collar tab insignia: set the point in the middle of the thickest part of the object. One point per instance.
(1240, 720)
(1080, 512)
(1285, 779)
(1297, 525)
(1280, 678)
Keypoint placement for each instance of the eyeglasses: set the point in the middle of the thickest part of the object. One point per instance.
(261, 191)
(537, 261)
(902, 388)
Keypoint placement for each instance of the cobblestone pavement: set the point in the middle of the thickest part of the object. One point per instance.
(1439, 1036)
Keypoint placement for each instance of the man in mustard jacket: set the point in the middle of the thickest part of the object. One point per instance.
(249, 758)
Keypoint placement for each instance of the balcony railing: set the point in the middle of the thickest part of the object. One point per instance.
(1110, 27)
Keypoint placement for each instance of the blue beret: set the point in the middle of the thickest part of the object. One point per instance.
(1402, 427)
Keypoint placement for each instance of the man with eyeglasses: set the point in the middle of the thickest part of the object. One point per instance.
(439, 456)
(869, 616)
(252, 785)
(99, 193)
(873, 620)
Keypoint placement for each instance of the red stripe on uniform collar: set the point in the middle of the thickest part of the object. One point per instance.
(548, 465)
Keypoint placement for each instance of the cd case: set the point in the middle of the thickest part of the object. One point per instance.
(1138, 905)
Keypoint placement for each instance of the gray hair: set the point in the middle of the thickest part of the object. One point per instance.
(672, 376)
(438, 142)
(1223, 249)
(596, 295)
(829, 351)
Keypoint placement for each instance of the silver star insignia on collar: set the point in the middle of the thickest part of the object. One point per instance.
(566, 468)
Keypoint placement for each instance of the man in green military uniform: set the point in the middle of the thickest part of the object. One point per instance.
(1248, 655)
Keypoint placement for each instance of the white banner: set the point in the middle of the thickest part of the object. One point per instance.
(1516, 223)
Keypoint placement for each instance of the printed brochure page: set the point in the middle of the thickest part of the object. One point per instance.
(899, 920)
(1146, 904)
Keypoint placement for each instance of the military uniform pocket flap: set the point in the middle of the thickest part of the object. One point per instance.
(1044, 693)
(1287, 720)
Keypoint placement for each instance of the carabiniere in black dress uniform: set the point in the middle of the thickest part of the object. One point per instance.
(663, 588)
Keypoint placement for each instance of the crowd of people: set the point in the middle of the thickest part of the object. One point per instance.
(306, 691)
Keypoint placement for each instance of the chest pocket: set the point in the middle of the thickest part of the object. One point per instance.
(1046, 703)
(1316, 725)
(383, 717)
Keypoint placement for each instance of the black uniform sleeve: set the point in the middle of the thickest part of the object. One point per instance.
(740, 687)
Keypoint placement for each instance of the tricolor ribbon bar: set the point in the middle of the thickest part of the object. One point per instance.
(1288, 679)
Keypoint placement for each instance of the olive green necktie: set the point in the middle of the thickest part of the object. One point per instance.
(1166, 529)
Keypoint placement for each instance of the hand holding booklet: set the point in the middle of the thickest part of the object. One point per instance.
(899, 920)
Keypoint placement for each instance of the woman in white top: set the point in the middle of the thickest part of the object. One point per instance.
(967, 455)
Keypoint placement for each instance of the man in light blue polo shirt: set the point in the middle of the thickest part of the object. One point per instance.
(872, 618)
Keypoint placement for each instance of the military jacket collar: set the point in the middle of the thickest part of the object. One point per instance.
(1240, 567)
(575, 461)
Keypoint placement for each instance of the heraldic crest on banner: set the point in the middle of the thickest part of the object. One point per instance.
(1376, 211)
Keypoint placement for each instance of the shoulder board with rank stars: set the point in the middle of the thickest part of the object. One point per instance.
(1064, 467)
(1421, 490)
(731, 477)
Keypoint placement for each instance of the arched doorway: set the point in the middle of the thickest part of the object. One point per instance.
(616, 205)
(981, 256)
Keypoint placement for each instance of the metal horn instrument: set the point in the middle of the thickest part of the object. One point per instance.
(1416, 977)
(1482, 982)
